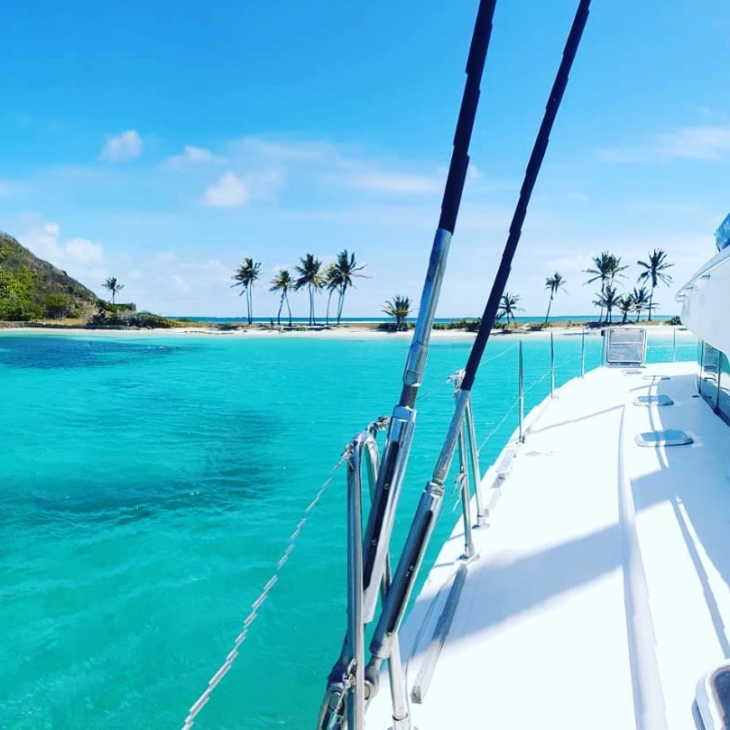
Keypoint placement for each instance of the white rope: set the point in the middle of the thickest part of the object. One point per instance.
(433, 390)
(501, 354)
(215, 680)
(450, 379)
(517, 400)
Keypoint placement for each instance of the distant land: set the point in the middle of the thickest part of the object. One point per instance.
(35, 292)
(378, 320)
(31, 288)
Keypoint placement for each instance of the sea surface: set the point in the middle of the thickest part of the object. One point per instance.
(149, 485)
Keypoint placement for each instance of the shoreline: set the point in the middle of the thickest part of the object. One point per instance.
(329, 334)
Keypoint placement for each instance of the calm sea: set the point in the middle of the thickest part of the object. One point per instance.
(148, 487)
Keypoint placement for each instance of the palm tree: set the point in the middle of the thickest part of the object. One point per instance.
(332, 283)
(626, 304)
(608, 299)
(113, 286)
(654, 273)
(398, 307)
(553, 283)
(310, 275)
(347, 270)
(245, 277)
(607, 268)
(508, 306)
(284, 283)
(641, 301)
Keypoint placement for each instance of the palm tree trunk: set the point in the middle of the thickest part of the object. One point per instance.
(278, 314)
(341, 303)
(651, 304)
(329, 301)
(286, 296)
(550, 304)
(311, 305)
(249, 301)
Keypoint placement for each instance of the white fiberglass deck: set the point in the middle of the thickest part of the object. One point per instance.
(600, 592)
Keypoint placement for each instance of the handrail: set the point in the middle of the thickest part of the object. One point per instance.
(352, 683)
(346, 693)
(463, 478)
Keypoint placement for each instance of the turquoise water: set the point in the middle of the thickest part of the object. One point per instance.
(149, 485)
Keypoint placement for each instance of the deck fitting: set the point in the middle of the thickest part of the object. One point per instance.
(653, 400)
(669, 437)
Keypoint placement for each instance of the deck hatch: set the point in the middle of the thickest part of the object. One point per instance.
(669, 437)
(625, 347)
(653, 400)
(713, 698)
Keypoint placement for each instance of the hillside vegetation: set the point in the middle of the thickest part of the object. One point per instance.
(31, 288)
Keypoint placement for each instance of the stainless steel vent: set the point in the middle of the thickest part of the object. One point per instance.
(670, 437)
(653, 400)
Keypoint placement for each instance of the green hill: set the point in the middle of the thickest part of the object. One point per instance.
(31, 288)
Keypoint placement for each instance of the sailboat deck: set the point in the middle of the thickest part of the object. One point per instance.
(599, 594)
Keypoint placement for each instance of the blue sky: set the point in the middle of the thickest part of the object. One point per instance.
(162, 142)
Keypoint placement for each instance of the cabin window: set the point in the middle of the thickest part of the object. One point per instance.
(714, 381)
(723, 406)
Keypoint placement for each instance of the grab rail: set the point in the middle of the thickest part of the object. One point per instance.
(347, 692)
(352, 682)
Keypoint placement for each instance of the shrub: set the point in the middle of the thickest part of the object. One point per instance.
(57, 306)
(674, 320)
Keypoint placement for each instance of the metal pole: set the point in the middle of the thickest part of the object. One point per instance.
(583, 354)
(396, 677)
(429, 505)
(465, 497)
(475, 470)
(603, 345)
(521, 393)
(355, 628)
(674, 345)
(400, 434)
(702, 367)
(552, 366)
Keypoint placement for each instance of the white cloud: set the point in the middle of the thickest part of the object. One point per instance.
(81, 258)
(194, 155)
(9, 188)
(399, 184)
(335, 165)
(229, 192)
(307, 151)
(699, 143)
(126, 146)
(474, 173)
(691, 143)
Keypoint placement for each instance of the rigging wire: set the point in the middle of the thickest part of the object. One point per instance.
(517, 400)
(225, 667)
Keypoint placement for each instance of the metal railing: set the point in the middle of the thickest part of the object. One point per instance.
(347, 692)
(352, 682)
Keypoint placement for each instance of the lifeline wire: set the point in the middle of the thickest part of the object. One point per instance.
(215, 680)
